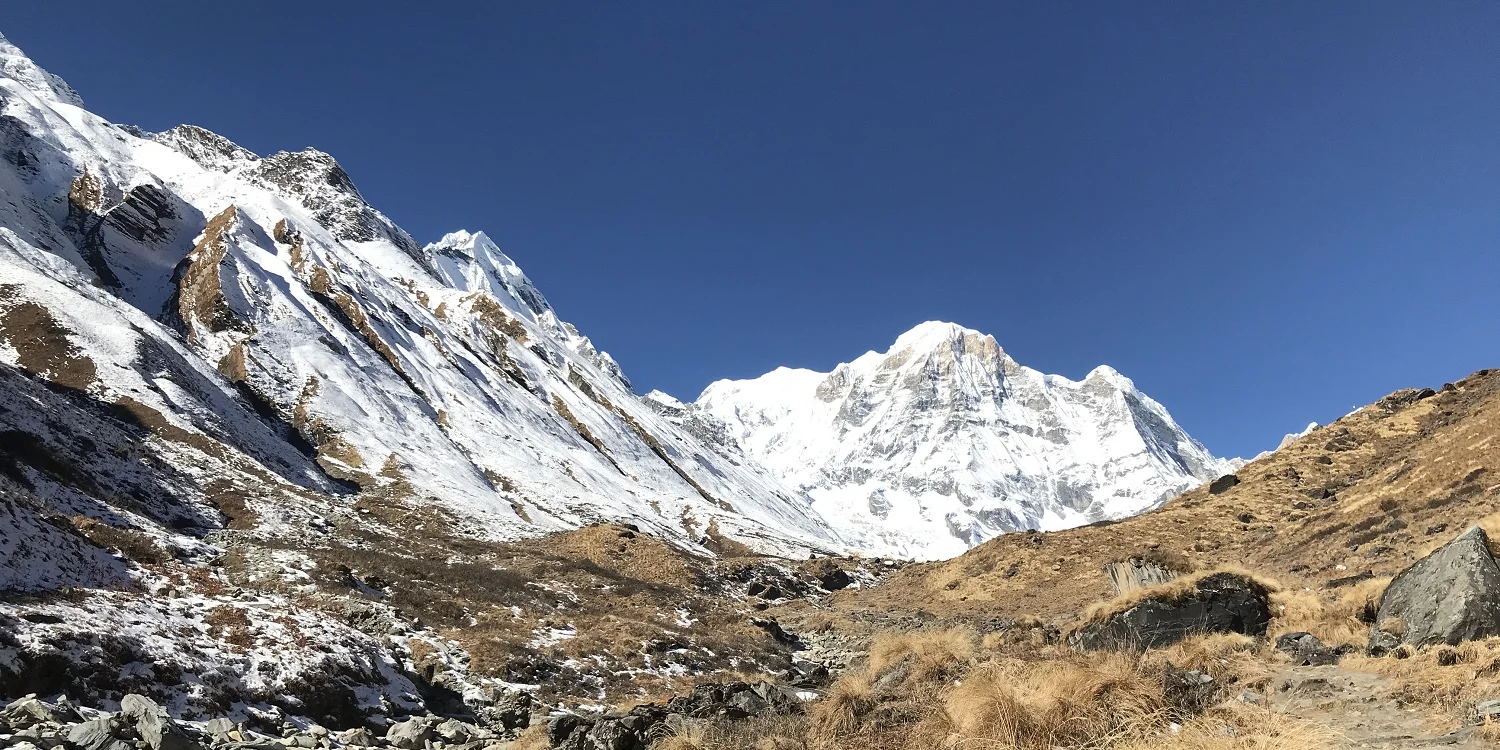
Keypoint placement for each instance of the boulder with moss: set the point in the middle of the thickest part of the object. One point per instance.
(1159, 616)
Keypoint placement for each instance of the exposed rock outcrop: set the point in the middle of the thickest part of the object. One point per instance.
(1216, 603)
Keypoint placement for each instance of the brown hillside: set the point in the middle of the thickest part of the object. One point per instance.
(1362, 497)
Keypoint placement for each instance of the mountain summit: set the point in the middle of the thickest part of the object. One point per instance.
(944, 441)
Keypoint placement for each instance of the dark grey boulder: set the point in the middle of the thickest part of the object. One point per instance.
(505, 710)
(1218, 603)
(29, 711)
(834, 578)
(1449, 596)
(1223, 484)
(1305, 649)
(1381, 643)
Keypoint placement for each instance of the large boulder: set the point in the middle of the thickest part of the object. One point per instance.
(414, 733)
(1216, 603)
(1449, 596)
(108, 732)
(154, 725)
(29, 711)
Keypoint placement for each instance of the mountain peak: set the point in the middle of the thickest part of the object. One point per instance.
(209, 149)
(1107, 374)
(463, 243)
(14, 64)
(944, 441)
(933, 333)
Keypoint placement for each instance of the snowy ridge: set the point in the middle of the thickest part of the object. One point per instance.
(944, 441)
(436, 375)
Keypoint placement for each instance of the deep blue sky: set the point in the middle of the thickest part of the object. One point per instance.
(1263, 213)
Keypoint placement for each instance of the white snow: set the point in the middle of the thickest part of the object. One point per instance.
(944, 441)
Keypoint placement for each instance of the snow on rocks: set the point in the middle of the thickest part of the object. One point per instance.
(307, 316)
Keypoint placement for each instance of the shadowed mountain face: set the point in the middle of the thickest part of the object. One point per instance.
(945, 441)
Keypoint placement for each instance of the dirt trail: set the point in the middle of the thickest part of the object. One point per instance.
(1359, 706)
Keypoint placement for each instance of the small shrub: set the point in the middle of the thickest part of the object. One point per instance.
(842, 710)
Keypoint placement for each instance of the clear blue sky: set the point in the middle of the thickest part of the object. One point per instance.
(1264, 213)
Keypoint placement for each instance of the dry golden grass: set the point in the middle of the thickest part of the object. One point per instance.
(842, 710)
(1422, 678)
(778, 732)
(534, 738)
(931, 690)
(1076, 701)
(1240, 727)
(1489, 731)
(1230, 658)
(933, 654)
(1004, 640)
(1335, 619)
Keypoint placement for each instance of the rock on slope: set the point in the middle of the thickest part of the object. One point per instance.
(257, 312)
(944, 441)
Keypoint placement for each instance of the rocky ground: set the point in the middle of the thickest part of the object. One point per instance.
(388, 628)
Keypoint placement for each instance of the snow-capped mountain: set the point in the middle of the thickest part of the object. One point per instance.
(944, 441)
(278, 336)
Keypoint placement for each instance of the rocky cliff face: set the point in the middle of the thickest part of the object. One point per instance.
(945, 441)
(362, 360)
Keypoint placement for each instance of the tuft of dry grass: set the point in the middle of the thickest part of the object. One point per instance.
(842, 710)
(1230, 658)
(1490, 732)
(933, 654)
(533, 738)
(1075, 701)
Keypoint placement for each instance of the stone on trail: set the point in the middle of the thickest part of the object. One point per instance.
(1305, 649)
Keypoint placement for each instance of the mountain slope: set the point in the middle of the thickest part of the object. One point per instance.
(944, 441)
(1358, 499)
(303, 331)
(263, 454)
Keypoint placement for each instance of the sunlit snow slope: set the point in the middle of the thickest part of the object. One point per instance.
(255, 312)
(944, 441)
